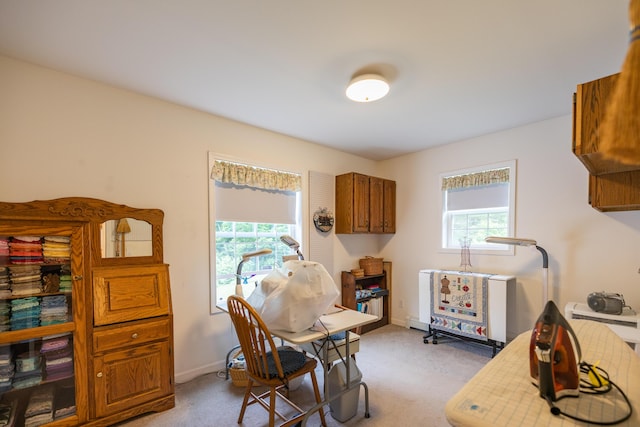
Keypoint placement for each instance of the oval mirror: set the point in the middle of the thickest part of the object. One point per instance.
(125, 237)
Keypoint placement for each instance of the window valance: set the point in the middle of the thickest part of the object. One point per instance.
(478, 179)
(267, 179)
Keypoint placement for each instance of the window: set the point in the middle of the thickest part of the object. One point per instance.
(477, 203)
(236, 238)
(250, 209)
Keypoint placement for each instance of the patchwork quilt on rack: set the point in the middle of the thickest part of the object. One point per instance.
(459, 303)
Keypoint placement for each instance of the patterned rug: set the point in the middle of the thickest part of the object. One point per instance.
(459, 302)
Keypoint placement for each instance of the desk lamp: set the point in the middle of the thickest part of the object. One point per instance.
(528, 242)
(245, 257)
(290, 241)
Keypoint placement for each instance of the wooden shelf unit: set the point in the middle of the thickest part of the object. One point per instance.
(351, 284)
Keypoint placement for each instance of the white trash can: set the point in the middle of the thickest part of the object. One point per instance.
(344, 407)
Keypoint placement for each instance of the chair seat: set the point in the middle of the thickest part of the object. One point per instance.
(308, 366)
(290, 359)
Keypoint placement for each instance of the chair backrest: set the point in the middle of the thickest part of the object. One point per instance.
(260, 352)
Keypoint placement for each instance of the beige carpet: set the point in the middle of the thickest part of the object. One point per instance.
(409, 384)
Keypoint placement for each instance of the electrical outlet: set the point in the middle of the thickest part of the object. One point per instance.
(401, 303)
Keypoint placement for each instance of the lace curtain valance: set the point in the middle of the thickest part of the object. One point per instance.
(267, 179)
(478, 179)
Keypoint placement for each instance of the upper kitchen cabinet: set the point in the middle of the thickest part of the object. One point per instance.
(613, 186)
(365, 204)
(589, 105)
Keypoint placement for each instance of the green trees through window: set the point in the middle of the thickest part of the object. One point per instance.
(236, 238)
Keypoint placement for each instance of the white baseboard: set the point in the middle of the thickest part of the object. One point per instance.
(416, 324)
(183, 377)
(410, 322)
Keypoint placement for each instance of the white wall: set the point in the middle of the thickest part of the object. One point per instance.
(588, 250)
(64, 136)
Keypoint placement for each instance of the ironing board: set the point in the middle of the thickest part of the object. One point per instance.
(502, 393)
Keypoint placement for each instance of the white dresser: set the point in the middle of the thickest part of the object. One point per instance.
(486, 316)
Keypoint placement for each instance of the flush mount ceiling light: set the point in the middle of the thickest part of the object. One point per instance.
(367, 88)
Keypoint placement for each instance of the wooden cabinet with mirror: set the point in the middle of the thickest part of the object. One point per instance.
(86, 326)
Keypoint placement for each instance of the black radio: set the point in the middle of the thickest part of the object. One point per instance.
(604, 302)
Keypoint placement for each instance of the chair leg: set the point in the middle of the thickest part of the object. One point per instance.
(245, 401)
(316, 391)
(272, 407)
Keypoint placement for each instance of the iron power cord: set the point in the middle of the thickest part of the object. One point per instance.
(604, 385)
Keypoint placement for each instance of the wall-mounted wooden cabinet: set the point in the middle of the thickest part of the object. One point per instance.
(612, 186)
(589, 105)
(85, 319)
(615, 191)
(365, 204)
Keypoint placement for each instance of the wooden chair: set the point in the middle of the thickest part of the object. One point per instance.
(268, 365)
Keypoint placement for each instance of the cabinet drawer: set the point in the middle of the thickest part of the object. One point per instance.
(123, 336)
(122, 294)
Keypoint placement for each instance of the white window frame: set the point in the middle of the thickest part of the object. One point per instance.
(485, 248)
(213, 299)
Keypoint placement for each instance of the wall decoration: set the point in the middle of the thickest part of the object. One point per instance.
(323, 219)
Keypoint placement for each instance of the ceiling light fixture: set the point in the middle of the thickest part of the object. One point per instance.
(367, 88)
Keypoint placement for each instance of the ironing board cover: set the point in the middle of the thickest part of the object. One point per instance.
(502, 394)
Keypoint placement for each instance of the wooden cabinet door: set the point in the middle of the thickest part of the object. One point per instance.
(376, 205)
(122, 294)
(361, 199)
(589, 107)
(615, 191)
(127, 378)
(590, 104)
(389, 207)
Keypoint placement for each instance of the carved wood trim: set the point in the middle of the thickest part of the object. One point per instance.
(77, 209)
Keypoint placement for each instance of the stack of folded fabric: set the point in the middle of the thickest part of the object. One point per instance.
(65, 278)
(53, 309)
(65, 401)
(8, 413)
(40, 407)
(25, 280)
(28, 371)
(4, 248)
(5, 284)
(25, 250)
(7, 368)
(57, 353)
(5, 315)
(56, 249)
(25, 313)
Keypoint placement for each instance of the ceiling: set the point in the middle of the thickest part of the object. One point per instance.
(458, 69)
